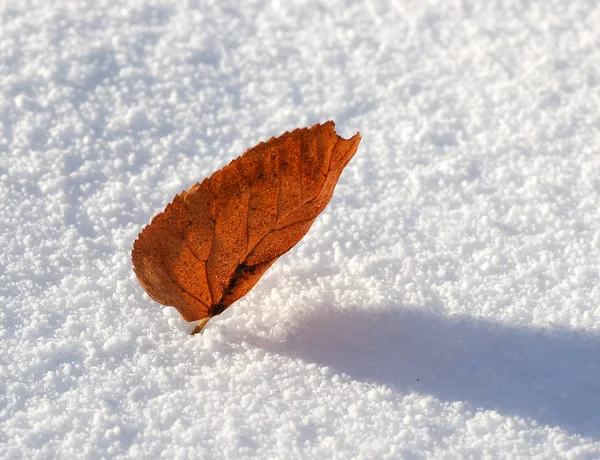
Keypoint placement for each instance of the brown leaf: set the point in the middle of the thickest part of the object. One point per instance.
(212, 244)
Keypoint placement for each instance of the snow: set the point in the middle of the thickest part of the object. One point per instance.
(445, 305)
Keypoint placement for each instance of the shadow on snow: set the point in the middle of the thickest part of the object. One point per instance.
(550, 376)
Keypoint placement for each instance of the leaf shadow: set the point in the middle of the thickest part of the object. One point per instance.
(552, 377)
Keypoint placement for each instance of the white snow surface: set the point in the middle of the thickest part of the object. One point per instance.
(445, 305)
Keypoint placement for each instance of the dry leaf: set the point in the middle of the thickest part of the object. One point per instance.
(212, 244)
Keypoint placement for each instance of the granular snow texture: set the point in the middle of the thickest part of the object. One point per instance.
(445, 305)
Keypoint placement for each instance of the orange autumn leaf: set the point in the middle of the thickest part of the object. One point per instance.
(213, 243)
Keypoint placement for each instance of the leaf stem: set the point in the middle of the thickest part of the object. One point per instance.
(200, 325)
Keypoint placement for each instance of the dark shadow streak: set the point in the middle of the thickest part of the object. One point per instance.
(552, 377)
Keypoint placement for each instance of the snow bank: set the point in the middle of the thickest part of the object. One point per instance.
(445, 305)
